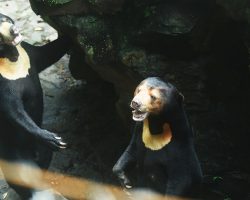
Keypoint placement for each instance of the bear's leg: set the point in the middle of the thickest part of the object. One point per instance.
(127, 160)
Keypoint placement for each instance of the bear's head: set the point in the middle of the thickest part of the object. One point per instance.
(153, 96)
(9, 34)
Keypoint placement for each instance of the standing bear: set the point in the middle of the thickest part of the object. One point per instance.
(22, 140)
(161, 149)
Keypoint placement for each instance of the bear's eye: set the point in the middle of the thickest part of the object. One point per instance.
(138, 90)
(153, 97)
(4, 20)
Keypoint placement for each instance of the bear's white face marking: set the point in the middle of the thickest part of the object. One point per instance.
(18, 69)
(147, 99)
(9, 33)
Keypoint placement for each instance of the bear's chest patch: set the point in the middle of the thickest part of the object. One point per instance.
(18, 69)
(158, 141)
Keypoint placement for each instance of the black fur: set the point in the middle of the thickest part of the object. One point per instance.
(21, 107)
(174, 169)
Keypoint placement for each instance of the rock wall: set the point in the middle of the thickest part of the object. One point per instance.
(200, 46)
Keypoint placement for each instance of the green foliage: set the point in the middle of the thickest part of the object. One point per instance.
(217, 178)
(90, 51)
(93, 2)
(149, 11)
(56, 2)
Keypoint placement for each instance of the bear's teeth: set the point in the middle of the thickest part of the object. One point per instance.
(17, 40)
(139, 116)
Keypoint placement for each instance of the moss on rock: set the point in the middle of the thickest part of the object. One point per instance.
(55, 2)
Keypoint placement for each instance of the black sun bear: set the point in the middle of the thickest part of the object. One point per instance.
(22, 140)
(161, 148)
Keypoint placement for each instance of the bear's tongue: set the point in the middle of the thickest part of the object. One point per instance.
(139, 116)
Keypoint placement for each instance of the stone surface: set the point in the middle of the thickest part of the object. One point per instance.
(197, 46)
(239, 10)
(200, 46)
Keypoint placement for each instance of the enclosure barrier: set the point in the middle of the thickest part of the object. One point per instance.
(30, 176)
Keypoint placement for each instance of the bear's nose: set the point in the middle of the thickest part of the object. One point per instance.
(135, 104)
(14, 30)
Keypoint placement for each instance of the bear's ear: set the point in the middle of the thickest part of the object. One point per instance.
(163, 90)
(180, 96)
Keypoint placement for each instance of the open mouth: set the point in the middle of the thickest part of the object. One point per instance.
(16, 40)
(139, 116)
(10, 34)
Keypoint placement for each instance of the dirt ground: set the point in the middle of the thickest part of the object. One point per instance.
(71, 108)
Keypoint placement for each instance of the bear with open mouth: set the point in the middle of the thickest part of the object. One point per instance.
(161, 151)
(22, 140)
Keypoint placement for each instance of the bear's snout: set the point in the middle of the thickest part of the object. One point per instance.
(14, 31)
(135, 104)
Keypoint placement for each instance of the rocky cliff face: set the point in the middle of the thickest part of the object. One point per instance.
(200, 46)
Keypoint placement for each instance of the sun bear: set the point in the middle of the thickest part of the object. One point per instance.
(161, 150)
(22, 140)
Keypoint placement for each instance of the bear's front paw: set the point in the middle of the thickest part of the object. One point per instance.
(53, 140)
(125, 182)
